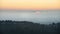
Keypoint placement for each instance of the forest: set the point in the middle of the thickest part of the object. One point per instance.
(26, 27)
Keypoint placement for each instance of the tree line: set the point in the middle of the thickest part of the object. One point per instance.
(26, 27)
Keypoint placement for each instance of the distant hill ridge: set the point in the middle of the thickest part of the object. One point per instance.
(10, 21)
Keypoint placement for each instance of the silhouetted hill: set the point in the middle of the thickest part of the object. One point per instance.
(26, 27)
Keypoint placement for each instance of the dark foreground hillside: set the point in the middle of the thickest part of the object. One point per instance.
(25, 27)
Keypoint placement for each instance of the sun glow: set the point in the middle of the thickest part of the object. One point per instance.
(37, 12)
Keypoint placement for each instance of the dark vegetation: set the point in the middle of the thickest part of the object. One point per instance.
(25, 27)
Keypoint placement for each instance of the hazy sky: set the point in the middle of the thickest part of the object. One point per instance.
(44, 11)
(30, 4)
(41, 16)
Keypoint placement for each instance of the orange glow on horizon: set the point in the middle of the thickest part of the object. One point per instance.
(30, 4)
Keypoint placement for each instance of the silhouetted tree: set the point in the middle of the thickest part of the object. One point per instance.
(26, 27)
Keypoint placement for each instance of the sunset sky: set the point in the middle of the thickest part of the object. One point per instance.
(44, 11)
(30, 4)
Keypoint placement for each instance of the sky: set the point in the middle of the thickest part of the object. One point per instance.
(41, 16)
(39, 11)
(30, 4)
